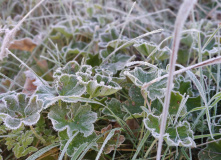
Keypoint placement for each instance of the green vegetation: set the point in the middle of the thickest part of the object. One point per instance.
(89, 79)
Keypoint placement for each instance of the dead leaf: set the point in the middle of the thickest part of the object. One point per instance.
(25, 44)
(43, 64)
(133, 124)
(31, 83)
(5, 83)
(117, 139)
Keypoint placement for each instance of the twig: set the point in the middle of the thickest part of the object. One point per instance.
(208, 142)
(181, 18)
(11, 33)
(211, 61)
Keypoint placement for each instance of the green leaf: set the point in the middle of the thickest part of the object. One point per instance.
(75, 48)
(151, 48)
(157, 89)
(211, 152)
(175, 102)
(179, 135)
(152, 123)
(128, 109)
(102, 86)
(93, 60)
(63, 30)
(77, 141)
(20, 109)
(90, 11)
(70, 68)
(132, 105)
(68, 85)
(115, 106)
(193, 102)
(182, 85)
(46, 94)
(110, 39)
(20, 141)
(74, 117)
(157, 107)
(117, 63)
(138, 76)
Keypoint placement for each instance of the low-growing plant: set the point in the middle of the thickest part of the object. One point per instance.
(88, 80)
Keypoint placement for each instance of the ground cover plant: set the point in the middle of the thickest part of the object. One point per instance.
(100, 79)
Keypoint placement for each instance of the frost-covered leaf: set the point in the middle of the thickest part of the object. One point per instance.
(110, 39)
(2, 95)
(63, 30)
(93, 60)
(84, 74)
(211, 152)
(152, 123)
(77, 141)
(117, 62)
(116, 107)
(74, 117)
(151, 48)
(175, 102)
(181, 135)
(178, 135)
(105, 52)
(187, 39)
(138, 76)
(20, 109)
(128, 109)
(102, 86)
(70, 68)
(182, 85)
(46, 94)
(192, 103)
(132, 105)
(68, 85)
(75, 48)
(157, 89)
(157, 106)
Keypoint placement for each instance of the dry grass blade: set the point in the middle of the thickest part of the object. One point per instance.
(181, 18)
(11, 34)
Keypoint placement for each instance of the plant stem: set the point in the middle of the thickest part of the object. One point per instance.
(37, 135)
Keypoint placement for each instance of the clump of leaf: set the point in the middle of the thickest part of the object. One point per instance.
(20, 141)
(73, 117)
(20, 109)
